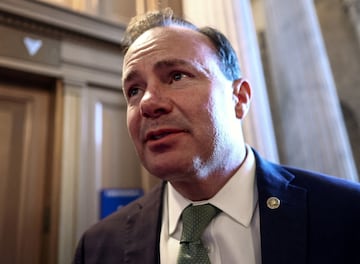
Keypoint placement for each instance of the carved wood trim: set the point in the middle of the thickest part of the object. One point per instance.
(51, 21)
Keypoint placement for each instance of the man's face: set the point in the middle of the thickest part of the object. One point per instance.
(181, 109)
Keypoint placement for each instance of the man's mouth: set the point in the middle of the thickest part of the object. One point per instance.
(159, 134)
(155, 137)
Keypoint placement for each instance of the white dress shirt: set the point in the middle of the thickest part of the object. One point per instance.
(233, 237)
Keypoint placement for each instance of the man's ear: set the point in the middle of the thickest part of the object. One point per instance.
(242, 94)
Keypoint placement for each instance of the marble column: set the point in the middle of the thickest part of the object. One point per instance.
(309, 124)
(143, 6)
(234, 19)
(353, 9)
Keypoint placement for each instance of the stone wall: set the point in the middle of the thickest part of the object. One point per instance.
(339, 21)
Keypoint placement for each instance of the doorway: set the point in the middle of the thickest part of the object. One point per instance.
(27, 125)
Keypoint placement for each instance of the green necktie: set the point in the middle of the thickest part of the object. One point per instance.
(195, 219)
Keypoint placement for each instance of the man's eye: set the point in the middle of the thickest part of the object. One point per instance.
(177, 76)
(132, 92)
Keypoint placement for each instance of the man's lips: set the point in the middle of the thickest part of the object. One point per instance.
(161, 133)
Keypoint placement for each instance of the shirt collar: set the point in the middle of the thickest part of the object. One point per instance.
(240, 188)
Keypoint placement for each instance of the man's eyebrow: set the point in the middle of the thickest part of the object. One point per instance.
(179, 62)
(158, 66)
(170, 63)
(131, 76)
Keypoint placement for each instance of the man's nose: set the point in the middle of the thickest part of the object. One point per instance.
(154, 104)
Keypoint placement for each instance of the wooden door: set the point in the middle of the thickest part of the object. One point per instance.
(24, 170)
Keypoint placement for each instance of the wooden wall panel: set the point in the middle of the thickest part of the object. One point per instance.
(23, 148)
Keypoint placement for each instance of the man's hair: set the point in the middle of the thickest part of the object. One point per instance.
(228, 61)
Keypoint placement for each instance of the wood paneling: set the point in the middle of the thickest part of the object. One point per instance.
(24, 167)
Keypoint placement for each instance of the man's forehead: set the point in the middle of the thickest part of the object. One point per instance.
(165, 46)
(170, 33)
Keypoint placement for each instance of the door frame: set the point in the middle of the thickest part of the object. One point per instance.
(49, 244)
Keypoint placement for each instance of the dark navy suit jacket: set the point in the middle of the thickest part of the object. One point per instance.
(317, 222)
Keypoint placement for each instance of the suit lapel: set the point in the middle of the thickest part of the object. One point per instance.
(143, 228)
(283, 228)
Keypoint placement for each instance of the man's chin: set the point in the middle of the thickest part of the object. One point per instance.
(166, 173)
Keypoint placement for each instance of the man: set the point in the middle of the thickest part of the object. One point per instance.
(186, 101)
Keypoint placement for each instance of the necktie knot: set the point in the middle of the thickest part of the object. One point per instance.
(195, 220)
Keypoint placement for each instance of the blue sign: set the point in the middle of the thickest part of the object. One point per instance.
(112, 200)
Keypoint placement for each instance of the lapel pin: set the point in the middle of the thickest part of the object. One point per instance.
(273, 202)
